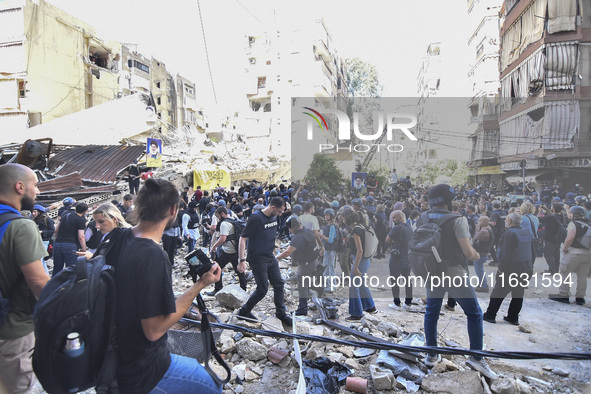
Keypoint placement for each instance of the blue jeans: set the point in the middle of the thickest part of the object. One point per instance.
(63, 254)
(186, 375)
(330, 262)
(360, 298)
(479, 270)
(466, 297)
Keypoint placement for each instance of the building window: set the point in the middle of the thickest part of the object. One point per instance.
(141, 66)
(252, 60)
(262, 82)
(158, 101)
(170, 114)
(268, 62)
(22, 93)
(158, 85)
(267, 107)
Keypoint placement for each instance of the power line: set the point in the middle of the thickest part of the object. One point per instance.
(206, 53)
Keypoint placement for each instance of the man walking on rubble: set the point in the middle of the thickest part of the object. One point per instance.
(260, 232)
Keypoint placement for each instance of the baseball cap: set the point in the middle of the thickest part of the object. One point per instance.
(39, 207)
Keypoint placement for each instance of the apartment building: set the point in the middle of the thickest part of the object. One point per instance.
(51, 65)
(545, 74)
(483, 74)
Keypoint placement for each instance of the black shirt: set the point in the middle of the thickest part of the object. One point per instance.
(552, 223)
(144, 290)
(68, 228)
(260, 230)
(401, 235)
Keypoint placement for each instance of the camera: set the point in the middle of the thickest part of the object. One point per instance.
(199, 263)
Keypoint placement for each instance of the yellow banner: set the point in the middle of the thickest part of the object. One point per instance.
(210, 179)
(490, 170)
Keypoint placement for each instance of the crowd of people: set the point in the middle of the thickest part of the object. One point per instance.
(321, 232)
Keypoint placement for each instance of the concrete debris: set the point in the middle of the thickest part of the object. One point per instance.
(524, 327)
(352, 364)
(276, 355)
(389, 329)
(503, 386)
(251, 350)
(232, 297)
(560, 372)
(453, 382)
(383, 379)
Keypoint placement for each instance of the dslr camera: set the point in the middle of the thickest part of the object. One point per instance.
(199, 263)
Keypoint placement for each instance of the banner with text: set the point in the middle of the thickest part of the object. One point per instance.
(210, 179)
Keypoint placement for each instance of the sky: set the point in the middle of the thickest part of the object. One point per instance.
(393, 35)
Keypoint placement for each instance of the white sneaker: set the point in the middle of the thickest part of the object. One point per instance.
(395, 307)
(405, 307)
(482, 367)
(431, 361)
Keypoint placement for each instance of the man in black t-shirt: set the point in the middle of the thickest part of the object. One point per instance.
(144, 281)
(552, 220)
(260, 232)
(69, 237)
(399, 237)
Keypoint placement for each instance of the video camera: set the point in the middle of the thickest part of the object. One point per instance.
(199, 263)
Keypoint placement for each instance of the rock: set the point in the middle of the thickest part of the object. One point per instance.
(346, 350)
(285, 362)
(453, 382)
(251, 350)
(258, 370)
(235, 358)
(523, 388)
(349, 362)
(547, 368)
(524, 327)
(383, 379)
(388, 328)
(503, 386)
(449, 365)
(240, 371)
(532, 340)
(232, 297)
(335, 357)
(302, 328)
(373, 319)
(250, 376)
(228, 345)
(268, 341)
(560, 372)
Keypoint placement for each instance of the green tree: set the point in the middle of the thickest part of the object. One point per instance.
(364, 80)
(324, 174)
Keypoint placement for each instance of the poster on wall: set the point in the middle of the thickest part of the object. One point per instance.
(154, 155)
(358, 180)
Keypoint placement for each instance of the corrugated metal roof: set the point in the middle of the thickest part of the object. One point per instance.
(95, 163)
(66, 182)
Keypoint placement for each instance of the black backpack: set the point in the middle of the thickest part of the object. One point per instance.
(239, 226)
(79, 299)
(5, 301)
(424, 252)
(561, 232)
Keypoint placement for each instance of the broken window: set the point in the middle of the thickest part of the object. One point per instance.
(262, 82)
(267, 107)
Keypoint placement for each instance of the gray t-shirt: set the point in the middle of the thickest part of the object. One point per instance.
(227, 229)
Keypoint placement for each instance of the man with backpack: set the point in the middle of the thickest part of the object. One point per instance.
(190, 223)
(22, 276)
(399, 237)
(304, 251)
(576, 258)
(555, 234)
(455, 249)
(230, 230)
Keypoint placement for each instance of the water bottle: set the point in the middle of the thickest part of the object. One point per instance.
(74, 351)
(74, 345)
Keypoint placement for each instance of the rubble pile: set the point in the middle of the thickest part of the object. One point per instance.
(188, 151)
(266, 364)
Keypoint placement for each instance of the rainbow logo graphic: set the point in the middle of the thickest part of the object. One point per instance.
(316, 119)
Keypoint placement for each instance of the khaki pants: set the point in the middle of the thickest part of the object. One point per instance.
(578, 263)
(16, 368)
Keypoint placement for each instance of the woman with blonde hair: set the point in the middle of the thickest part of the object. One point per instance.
(109, 222)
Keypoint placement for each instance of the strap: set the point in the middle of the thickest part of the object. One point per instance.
(4, 219)
(446, 218)
(106, 381)
(209, 344)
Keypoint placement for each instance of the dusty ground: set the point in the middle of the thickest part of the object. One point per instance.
(555, 327)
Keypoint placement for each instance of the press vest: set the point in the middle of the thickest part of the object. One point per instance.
(522, 253)
(193, 220)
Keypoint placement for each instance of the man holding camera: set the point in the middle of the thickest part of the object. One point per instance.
(144, 281)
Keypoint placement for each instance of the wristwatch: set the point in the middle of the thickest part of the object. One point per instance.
(241, 260)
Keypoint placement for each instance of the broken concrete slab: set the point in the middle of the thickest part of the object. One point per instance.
(453, 382)
(232, 297)
(383, 379)
(251, 350)
(389, 329)
(503, 386)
